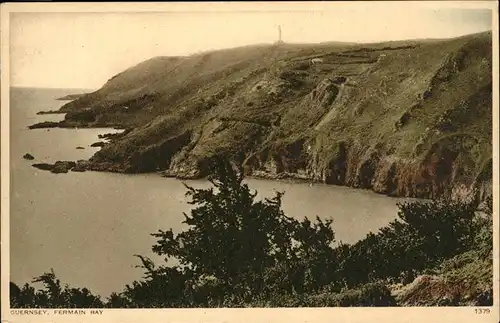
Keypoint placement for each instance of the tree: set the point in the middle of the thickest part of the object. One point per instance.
(424, 234)
(239, 242)
(53, 295)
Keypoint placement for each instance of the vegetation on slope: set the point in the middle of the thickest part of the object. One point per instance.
(238, 251)
(401, 118)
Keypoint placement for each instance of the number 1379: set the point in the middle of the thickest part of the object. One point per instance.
(482, 311)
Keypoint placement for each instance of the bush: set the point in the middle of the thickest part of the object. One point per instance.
(52, 296)
(236, 248)
(424, 234)
(372, 294)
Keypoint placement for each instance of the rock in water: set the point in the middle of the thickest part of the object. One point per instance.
(28, 156)
(98, 144)
(49, 112)
(63, 166)
(58, 167)
(80, 147)
(81, 166)
(45, 124)
(43, 166)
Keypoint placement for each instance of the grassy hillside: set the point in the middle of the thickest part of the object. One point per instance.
(406, 118)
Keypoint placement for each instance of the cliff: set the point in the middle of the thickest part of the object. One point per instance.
(409, 118)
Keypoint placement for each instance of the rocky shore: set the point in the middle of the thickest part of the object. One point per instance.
(64, 166)
(50, 112)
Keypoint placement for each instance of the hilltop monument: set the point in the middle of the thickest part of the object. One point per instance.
(280, 40)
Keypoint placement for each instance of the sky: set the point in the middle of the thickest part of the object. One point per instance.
(85, 49)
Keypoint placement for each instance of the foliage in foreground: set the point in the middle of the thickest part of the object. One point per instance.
(241, 251)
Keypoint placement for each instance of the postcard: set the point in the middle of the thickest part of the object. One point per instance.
(250, 161)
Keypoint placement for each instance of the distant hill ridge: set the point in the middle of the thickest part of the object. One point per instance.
(71, 97)
(407, 118)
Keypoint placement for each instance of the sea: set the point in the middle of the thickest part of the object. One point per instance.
(88, 226)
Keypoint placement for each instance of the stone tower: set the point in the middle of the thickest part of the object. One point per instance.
(280, 40)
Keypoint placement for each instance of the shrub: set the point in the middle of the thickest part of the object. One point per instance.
(424, 234)
(52, 296)
(372, 294)
(247, 245)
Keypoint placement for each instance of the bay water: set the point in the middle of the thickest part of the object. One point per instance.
(88, 226)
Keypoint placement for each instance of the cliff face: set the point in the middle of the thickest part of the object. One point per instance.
(400, 118)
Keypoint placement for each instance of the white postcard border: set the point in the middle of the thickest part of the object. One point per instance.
(358, 314)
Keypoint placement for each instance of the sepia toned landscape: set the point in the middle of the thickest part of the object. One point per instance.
(283, 173)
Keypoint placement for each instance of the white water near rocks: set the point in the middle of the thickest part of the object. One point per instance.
(87, 226)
